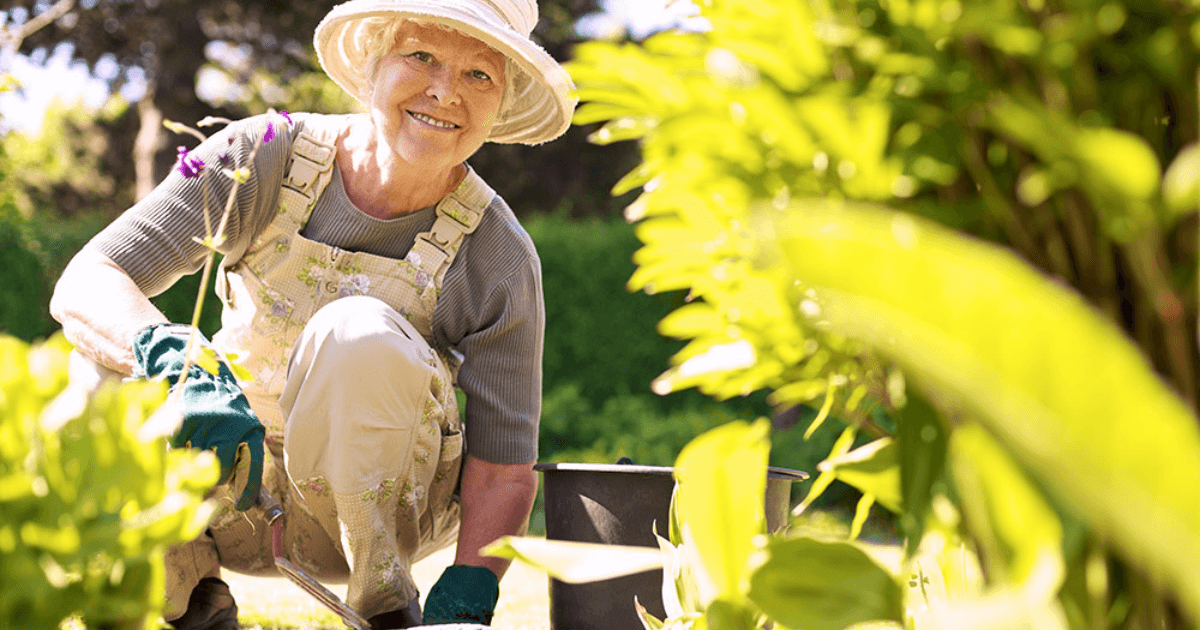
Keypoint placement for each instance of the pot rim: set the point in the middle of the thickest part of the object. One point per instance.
(773, 472)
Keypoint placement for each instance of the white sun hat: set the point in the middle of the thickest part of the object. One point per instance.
(539, 102)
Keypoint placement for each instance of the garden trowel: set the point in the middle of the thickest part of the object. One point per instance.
(273, 514)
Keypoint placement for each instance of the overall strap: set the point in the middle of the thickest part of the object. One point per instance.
(458, 214)
(309, 170)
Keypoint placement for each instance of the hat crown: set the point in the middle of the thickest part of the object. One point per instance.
(520, 15)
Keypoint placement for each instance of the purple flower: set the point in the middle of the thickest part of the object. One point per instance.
(189, 165)
(269, 134)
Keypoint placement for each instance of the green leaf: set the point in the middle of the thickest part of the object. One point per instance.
(999, 498)
(872, 469)
(823, 480)
(822, 414)
(725, 614)
(691, 320)
(680, 590)
(921, 445)
(1067, 392)
(1121, 160)
(722, 482)
(206, 358)
(1181, 184)
(814, 585)
(861, 512)
(623, 128)
(241, 373)
(649, 622)
(576, 562)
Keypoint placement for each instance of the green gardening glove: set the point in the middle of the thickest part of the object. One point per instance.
(216, 414)
(464, 594)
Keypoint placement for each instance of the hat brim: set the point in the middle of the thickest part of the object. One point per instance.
(538, 111)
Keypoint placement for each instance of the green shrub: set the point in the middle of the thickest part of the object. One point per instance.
(33, 253)
(89, 499)
(599, 337)
(24, 294)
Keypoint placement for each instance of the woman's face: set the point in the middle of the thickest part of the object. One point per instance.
(436, 95)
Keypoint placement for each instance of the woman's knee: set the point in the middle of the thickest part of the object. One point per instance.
(364, 332)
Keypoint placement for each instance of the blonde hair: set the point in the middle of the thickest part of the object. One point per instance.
(380, 35)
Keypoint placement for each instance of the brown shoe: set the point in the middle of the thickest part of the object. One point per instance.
(211, 607)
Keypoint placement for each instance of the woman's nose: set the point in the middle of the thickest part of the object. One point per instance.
(442, 85)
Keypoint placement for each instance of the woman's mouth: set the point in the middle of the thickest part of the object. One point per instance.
(433, 122)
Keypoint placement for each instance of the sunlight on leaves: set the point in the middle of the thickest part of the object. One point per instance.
(576, 562)
(817, 585)
(872, 469)
(1069, 394)
(722, 477)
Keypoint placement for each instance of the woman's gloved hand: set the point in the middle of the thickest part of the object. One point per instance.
(216, 414)
(464, 594)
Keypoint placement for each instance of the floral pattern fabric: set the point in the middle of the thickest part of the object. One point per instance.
(370, 538)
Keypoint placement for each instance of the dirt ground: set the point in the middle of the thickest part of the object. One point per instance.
(276, 603)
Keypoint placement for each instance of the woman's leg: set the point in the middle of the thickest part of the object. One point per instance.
(366, 404)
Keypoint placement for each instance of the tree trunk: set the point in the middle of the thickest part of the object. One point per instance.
(149, 141)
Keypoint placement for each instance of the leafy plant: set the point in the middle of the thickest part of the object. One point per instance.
(89, 494)
(719, 568)
(1026, 424)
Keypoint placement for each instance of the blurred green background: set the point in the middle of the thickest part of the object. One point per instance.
(60, 186)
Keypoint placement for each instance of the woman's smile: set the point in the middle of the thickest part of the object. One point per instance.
(431, 121)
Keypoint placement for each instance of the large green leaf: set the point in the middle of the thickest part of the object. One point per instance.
(1062, 387)
(576, 562)
(807, 584)
(1009, 515)
(921, 445)
(722, 482)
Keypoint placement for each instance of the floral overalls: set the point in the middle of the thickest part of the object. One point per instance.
(269, 295)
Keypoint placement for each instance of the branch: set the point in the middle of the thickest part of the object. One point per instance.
(12, 37)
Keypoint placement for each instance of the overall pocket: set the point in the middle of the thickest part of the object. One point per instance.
(445, 482)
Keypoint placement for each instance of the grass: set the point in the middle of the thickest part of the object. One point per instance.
(277, 604)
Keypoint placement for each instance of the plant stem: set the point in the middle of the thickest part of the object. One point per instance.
(995, 201)
(1146, 261)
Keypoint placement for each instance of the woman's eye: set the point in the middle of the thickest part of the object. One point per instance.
(480, 75)
(421, 55)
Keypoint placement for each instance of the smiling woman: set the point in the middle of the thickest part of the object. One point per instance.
(368, 272)
(433, 102)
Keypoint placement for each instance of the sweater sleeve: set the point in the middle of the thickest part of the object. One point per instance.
(156, 241)
(501, 373)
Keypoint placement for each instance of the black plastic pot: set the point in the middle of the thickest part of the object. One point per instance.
(618, 504)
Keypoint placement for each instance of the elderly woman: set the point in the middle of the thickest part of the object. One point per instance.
(367, 273)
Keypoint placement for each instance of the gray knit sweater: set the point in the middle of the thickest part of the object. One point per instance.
(490, 309)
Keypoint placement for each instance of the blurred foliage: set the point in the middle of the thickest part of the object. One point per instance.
(88, 500)
(25, 294)
(70, 168)
(1025, 429)
(261, 52)
(1007, 120)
